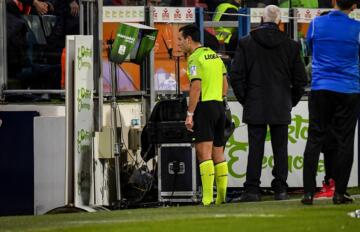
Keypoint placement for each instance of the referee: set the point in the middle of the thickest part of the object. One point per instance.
(206, 113)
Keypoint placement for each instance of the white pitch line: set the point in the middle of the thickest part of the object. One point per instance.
(247, 215)
(193, 216)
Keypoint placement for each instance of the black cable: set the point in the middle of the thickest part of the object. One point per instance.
(137, 165)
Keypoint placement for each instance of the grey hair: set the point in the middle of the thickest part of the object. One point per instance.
(272, 14)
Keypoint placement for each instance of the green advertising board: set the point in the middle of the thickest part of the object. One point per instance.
(299, 4)
(133, 42)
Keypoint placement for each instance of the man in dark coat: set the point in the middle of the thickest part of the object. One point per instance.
(67, 23)
(268, 79)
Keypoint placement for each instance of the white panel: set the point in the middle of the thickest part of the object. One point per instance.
(83, 120)
(104, 143)
(44, 110)
(237, 151)
(49, 163)
(103, 175)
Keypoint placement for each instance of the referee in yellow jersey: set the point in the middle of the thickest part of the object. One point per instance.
(206, 113)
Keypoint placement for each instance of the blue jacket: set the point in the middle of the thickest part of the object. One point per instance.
(335, 42)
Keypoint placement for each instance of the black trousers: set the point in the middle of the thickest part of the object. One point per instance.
(329, 149)
(338, 111)
(279, 142)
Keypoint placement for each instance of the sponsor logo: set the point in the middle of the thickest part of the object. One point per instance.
(150, 37)
(298, 129)
(83, 99)
(177, 14)
(165, 14)
(84, 57)
(122, 49)
(123, 14)
(308, 14)
(155, 14)
(189, 14)
(238, 150)
(83, 141)
(127, 39)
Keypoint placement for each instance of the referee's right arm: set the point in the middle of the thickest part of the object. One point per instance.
(225, 86)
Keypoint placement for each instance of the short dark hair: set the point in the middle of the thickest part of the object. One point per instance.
(192, 31)
(345, 4)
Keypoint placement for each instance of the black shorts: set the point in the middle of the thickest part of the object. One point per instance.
(209, 122)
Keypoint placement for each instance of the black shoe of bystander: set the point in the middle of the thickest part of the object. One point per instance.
(342, 198)
(308, 199)
(249, 197)
(281, 196)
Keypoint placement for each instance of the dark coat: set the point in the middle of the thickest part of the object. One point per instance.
(267, 75)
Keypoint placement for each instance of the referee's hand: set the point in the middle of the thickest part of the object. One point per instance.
(189, 123)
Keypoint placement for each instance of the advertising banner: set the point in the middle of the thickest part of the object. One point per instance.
(123, 14)
(306, 15)
(355, 14)
(83, 119)
(137, 14)
(174, 14)
(237, 149)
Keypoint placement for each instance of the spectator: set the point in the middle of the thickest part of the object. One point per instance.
(268, 79)
(227, 35)
(67, 22)
(329, 149)
(334, 96)
(212, 4)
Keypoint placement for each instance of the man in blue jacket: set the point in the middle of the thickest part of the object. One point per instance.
(334, 96)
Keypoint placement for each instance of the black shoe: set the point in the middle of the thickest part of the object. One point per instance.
(281, 196)
(342, 198)
(307, 199)
(248, 197)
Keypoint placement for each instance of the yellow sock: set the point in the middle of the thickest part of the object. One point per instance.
(221, 177)
(207, 180)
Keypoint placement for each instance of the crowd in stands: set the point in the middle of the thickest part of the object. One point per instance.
(36, 31)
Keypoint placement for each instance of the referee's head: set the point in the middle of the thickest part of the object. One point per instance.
(189, 38)
(191, 31)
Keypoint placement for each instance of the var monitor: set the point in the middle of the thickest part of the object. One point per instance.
(133, 42)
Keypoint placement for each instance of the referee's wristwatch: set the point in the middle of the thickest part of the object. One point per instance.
(190, 114)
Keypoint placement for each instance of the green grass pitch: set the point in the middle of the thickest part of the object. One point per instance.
(264, 216)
